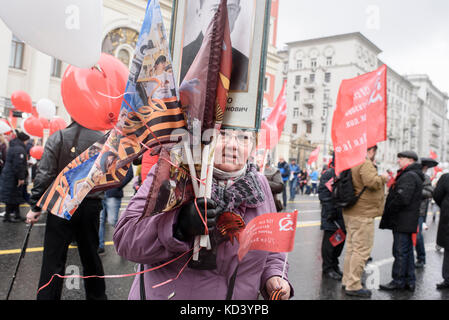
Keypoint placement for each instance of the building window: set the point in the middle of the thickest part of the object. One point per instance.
(295, 112)
(308, 127)
(17, 50)
(327, 77)
(296, 96)
(323, 128)
(326, 95)
(294, 128)
(310, 112)
(313, 63)
(56, 66)
(312, 77)
(298, 80)
(299, 64)
(329, 61)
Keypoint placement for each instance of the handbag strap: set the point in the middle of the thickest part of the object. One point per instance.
(143, 295)
(232, 284)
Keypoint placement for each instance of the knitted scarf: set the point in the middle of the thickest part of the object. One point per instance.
(244, 190)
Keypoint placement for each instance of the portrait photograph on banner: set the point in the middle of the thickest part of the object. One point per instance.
(249, 27)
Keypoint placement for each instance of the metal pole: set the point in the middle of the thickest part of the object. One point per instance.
(22, 254)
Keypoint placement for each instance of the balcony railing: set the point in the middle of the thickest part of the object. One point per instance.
(309, 102)
(310, 85)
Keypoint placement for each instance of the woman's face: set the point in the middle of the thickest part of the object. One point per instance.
(233, 149)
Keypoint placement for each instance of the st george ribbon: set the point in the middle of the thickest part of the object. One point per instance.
(150, 115)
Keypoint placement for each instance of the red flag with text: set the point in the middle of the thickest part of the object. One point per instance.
(360, 118)
(273, 232)
(314, 156)
(273, 126)
(433, 155)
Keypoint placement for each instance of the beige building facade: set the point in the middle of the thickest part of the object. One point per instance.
(314, 69)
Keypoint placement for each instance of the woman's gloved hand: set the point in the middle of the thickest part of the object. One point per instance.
(189, 222)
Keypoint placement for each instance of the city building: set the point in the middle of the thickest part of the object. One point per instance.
(315, 68)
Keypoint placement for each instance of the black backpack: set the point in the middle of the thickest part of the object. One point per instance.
(343, 192)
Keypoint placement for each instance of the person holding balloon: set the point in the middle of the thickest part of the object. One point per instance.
(60, 149)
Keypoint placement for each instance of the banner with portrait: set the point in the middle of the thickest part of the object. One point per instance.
(249, 27)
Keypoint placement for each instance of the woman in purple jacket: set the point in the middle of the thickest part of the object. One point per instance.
(218, 275)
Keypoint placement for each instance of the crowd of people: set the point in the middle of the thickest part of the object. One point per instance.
(402, 200)
(409, 196)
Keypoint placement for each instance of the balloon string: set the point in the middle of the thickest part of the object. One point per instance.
(201, 216)
(117, 97)
(115, 276)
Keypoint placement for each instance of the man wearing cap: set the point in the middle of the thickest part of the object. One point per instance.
(401, 214)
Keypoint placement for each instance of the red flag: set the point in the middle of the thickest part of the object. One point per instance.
(433, 155)
(337, 238)
(274, 125)
(274, 232)
(361, 101)
(329, 184)
(314, 156)
(435, 172)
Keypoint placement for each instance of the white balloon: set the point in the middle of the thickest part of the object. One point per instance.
(46, 108)
(70, 30)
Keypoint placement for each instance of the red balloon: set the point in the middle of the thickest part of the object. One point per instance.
(83, 93)
(45, 123)
(57, 124)
(37, 152)
(33, 126)
(22, 101)
(34, 112)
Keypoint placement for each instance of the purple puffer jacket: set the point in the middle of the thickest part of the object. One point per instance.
(151, 242)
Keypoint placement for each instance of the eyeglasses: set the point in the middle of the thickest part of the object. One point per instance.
(241, 137)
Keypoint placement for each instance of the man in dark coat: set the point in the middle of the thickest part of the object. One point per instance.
(61, 148)
(331, 221)
(12, 179)
(441, 197)
(401, 214)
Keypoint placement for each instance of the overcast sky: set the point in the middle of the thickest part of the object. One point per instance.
(413, 34)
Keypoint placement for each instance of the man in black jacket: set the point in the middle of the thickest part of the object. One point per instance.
(401, 215)
(441, 197)
(331, 221)
(61, 148)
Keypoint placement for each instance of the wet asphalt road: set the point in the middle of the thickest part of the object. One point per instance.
(305, 262)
